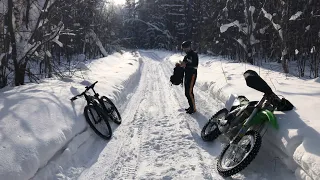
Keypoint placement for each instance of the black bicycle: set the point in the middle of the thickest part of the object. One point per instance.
(101, 110)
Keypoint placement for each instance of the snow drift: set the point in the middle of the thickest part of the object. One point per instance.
(296, 142)
(41, 129)
(38, 121)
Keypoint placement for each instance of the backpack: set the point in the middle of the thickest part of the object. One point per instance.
(178, 75)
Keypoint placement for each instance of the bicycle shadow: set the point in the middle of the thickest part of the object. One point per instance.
(36, 112)
(96, 141)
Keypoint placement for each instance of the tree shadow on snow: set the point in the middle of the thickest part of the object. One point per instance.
(20, 106)
(98, 143)
(23, 101)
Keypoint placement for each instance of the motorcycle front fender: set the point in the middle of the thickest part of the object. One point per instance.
(265, 115)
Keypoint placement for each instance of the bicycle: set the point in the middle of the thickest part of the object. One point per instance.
(100, 109)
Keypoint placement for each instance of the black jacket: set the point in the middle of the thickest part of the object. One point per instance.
(191, 59)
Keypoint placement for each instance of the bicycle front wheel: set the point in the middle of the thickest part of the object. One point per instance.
(111, 109)
(98, 121)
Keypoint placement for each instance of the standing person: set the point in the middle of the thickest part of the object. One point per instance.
(190, 63)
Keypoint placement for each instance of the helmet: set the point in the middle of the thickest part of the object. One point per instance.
(186, 44)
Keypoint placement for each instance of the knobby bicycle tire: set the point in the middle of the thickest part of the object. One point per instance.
(98, 110)
(107, 100)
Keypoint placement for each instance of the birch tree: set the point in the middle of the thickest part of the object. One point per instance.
(25, 22)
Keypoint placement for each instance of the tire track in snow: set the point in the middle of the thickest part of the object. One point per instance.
(127, 165)
(151, 138)
(185, 142)
(127, 168)
(202, 168)
(256, 169)
(83, 149)
(120, 158)
(206, 168)
(114, 152)
(155, 140)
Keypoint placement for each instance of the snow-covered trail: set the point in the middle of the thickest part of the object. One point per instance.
(154, 135)
(158, 140)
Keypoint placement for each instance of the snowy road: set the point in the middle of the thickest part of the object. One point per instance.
(158, 140)
(155, 140)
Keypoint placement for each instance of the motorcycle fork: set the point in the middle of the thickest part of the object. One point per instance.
(246, 126)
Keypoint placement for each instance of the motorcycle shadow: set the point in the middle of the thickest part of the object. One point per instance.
(306, 135)
(213, 148)
(255, 170)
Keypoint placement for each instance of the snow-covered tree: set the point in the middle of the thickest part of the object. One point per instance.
(282, 20)
(244, 16)
(26, 20)
(39, 36)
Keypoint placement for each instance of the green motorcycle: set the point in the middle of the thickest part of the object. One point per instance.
(242, 126)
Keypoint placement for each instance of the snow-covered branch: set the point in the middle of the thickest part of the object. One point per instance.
(277, 27)
(92, 34)
(154, 27)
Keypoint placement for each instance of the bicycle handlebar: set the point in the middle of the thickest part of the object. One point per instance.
(87, 89)
(91, 86)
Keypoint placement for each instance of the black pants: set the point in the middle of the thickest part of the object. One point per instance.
(190, 78)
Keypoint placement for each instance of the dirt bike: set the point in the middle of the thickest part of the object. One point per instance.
(241, 127)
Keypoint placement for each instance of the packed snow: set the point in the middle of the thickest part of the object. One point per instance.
(295, 143)
(38, 122)
(45, 136)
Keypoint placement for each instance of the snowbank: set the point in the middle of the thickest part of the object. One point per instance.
(296, 143)
(38, 122)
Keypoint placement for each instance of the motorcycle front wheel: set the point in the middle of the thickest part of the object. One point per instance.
(210, 130)
(236, 157)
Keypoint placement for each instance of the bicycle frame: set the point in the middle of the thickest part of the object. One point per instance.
(90, 99)
(99, 103)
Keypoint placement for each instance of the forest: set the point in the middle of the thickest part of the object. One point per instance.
(47, 38)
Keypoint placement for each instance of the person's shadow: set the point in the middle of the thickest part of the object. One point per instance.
(213, 148)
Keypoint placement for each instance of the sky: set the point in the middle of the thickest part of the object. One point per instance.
(120, 2)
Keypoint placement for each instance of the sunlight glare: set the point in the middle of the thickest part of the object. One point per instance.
(119, 2)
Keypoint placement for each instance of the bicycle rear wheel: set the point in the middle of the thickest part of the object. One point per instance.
(98, 121)
(111, 110)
